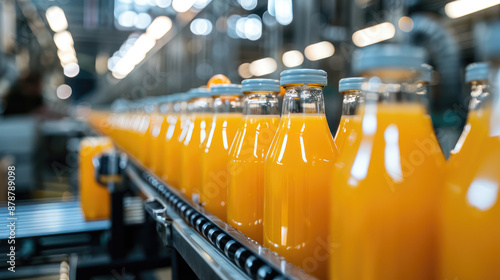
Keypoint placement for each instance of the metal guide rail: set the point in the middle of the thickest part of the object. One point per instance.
(212, 248)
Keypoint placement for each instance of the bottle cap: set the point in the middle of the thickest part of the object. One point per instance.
(388, 56)
(477, 72)
(260, 85)
(197, 93)
(303, 76)
(226, 89)
(353, 83)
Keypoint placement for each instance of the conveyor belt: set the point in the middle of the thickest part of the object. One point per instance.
(210, 246)
(37, 218)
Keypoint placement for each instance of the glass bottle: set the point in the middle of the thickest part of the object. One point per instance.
(471, 210)
(194, 133)
(225, 123)
(245, 195)
(350, 121)
(297, 188)
(386, 186)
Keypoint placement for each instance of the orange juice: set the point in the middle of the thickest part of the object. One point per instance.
(196, 133)
(297, 191)
(385, 190)
(246, 161)
(156, 151)
(349, 127)
(245, 196)
(214, 173)
(94, 198)
(173, 147)
(470, 229)
(470, 210)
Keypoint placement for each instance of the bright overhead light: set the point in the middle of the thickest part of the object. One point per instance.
(253, 27)
(159, 27)
(64, 91)
(270, 7)
(182, 6)
(460, 8)
(56, 18)
(240, 27)
(244, 71)
(163, 3)
(405, 24)
(66, 58)
(201, 26)
(143, 21)
(127, 18)
(248, 4)
(319, 51)
(143, 44)
(284, 11)
(71, 69)
(263, 66)
(374, 34)
(293, 58)
(63, 40)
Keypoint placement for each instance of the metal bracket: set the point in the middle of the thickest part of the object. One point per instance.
(158, 211)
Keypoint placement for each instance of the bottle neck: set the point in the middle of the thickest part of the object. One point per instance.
(303, 99)
(228, 103)
(351, 101)
(494, 124)
(395, 87)
(480, 95)
(201, 105)
(261, 103)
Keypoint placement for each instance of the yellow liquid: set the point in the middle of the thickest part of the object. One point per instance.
(297, 191)
(94, 198)
(470, 247)
(349, 127)
(197, 129)
(214, 159)
(386, 187)
(157, 152)
(245, 195)
(173, 146)
(140, 136)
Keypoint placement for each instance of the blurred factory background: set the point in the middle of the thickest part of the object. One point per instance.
(58, 58)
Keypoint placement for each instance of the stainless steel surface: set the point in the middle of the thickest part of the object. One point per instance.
(49, 217)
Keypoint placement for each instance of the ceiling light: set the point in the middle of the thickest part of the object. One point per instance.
(263, 66)
(293, 58)
(374, 34)
(319, 51)
(159, 27)
(64, 91)
(460, 8)
(56, 19)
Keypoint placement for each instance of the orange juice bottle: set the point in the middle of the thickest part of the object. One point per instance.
(297, 185)
(197, 126)
(470, 248)
(225, 123)
(387, 184)
(159, 125)
(94, 198)
(350, 121)
(173, 141)
(140, 131)
(245, 186)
